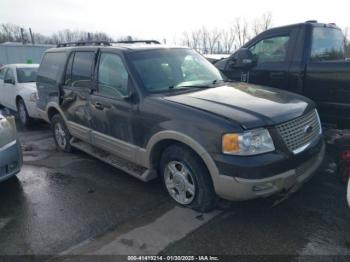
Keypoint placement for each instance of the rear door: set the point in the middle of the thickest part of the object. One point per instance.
(49, 78)
(77, 86)
(110, 107)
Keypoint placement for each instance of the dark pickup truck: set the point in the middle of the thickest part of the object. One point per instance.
(306, 58)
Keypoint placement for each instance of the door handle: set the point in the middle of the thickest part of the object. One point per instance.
(98, 106)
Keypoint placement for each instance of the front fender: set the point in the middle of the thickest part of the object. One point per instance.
(184, 139)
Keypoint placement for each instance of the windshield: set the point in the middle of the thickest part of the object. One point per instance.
(327, 44)
(26, 75)
(162, 70)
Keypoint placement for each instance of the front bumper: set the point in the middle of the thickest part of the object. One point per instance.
(32, 109)
(10, 160)
(239, 188)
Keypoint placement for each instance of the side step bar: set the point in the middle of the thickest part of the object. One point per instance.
(137, 171)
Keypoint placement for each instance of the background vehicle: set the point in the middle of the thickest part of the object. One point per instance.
(151, 109)
(10, 149)
(18, 90)
(306, 58)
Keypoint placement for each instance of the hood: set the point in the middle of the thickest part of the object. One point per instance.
(29, 86)
(7, 131)
(248, 105)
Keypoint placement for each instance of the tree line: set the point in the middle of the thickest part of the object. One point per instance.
(204, 40)
(225, 41)
(15, 33)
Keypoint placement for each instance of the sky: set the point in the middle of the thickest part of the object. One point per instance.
(159, 19)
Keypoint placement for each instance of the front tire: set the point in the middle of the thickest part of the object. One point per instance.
(23, 115)
(187, 179)
(61, 134)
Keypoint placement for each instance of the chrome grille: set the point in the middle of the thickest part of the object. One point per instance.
(296, 134)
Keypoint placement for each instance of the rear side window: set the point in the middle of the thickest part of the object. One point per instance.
(52, 65)
(327, 44)
(82, 69)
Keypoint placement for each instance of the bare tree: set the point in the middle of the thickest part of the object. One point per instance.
(262, 24)
(195, 39)
(186, 39)
(205, 40)
(213, 40)
(10, 33)
(240, 28)
(227, 39)
(347, 41)
(68, 35)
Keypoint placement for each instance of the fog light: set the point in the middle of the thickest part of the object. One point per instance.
(262, 187)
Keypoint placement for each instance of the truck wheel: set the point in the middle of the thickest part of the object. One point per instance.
(25, 119)
(187, 179)
(61, 134)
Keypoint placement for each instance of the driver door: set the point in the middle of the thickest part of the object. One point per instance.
(271, 54)
(272, 62)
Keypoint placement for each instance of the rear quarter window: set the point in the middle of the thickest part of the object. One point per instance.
(52, 65)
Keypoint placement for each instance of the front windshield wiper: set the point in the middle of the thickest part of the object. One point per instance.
(211, 84)
(216, 81)
(189, 86)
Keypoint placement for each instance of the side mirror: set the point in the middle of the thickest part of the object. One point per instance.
(243, 59)
(9, 81)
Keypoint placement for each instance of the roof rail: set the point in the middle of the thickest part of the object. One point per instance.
(84, 43)
(139, 41)
(311, 21)
(105, 43)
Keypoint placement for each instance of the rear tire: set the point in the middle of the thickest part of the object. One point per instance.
(187, 179)
(61, 134)
(23, 115)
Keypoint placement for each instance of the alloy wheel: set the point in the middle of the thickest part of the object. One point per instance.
(179, 182)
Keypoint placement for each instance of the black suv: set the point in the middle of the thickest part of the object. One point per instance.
(153, 110)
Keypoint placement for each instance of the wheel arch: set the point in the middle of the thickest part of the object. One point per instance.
(53, 109)
(163, 139)
(19, 97)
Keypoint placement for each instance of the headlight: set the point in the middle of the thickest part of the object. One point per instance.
(251, 142)
(33, 97)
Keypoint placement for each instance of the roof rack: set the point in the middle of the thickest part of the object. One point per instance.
(139, 41)
(84, 43)
(106, 43)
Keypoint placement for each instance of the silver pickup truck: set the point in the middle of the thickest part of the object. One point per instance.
(10, 149)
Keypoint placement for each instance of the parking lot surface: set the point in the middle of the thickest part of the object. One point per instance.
(74, 204)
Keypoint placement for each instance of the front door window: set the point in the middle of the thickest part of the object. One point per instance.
(273, 49)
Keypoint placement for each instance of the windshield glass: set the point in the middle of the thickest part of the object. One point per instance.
(161, 70)
(327, 44)
(26, 75)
